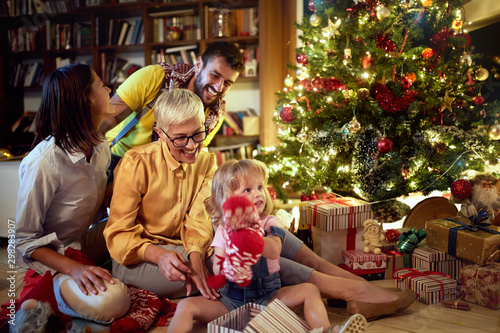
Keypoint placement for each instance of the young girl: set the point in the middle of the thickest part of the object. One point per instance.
(62, 187)
(249, 178)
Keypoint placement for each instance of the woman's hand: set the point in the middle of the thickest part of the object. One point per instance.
(199, 275)
(90, 277)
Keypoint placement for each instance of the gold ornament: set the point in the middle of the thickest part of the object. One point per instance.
(383, 12)
(457, 24)
(331, 53)
(363, 93)
(301, 136)
(5, 154)
(289, 81)
(447, 100)
(465, 59)
(494, 131)
(354, 125)
(406, 3)
(331, 30)
(482, 74)
(315, 20)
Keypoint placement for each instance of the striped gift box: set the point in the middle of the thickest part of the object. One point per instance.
(438, 261)
(236, 320)
(431, 287)
(337, 213)
(357, 259)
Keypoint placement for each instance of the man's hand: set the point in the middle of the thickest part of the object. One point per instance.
(173, 266)
(199, 275)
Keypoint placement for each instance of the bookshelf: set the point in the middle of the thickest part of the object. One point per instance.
(119, 36)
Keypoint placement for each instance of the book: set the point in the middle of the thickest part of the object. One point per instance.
(125, 26)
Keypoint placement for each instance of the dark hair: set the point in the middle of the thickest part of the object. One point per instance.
(228, 51)
(65, 112)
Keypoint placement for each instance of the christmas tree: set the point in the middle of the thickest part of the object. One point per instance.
(385, 100)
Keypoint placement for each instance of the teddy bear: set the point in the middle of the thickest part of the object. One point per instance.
(244, 245)
(373, 237)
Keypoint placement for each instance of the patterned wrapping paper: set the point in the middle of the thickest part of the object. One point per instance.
(367, 274)
(474, 246)
(481, 285)
(357, 259)
(331, 214)
(438, 261)
(394, 262)
(253, 318)
(431, 287)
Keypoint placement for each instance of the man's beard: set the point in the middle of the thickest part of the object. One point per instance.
(485, 198)
(199, 88)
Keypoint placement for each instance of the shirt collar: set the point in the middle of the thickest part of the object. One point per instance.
(171, 162)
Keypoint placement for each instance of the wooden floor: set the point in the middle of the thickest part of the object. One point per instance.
(417, 318)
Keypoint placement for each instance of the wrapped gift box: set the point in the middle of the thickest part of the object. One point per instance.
(357, 259)
(367, 274)
(438, 261)
(337, 213)
(253, 318)
(394, 262)
(470, 245)
(481, 285)
(329, 244)
(431, 287)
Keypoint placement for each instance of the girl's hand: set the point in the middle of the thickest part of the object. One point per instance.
(91, 278)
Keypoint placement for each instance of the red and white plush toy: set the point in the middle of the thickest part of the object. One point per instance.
(244, 245)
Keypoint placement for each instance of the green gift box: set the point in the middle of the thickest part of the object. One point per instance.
(455, 235)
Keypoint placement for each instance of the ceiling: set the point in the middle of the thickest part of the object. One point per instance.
(482, 13)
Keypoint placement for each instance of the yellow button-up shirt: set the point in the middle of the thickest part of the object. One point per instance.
(157, 200)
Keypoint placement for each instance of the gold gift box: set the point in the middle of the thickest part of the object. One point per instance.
(476, 246)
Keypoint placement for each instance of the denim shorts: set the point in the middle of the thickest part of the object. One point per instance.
(260, 291)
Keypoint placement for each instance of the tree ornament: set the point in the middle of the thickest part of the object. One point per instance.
(494, 131)
(311, 6)
(302, 59)
(392, 235)
(331, 29)
(383, 12)
(426, 3)
(465, 59)
(411, 77)
(384, 145)
(354, 125)
(385, 43)
(302, 72)
(347, 56)
(427, 53)
(406, 3)
(440, 147)
(461, 189)
(457, 24)
(331, 53)
(286, 114)
(478, 100)
(272, 193)
(405, 83)
(315, 20)
(482, 74)
(289, 81)
(317, 82)
(363, 93)
(301, 136)
(306, 197)
(447, 100)
(367, 61)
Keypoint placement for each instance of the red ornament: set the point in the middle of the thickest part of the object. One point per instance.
(317, 82)
(385, 43)
(302, 59)
(312, 196)
(392, 235)
(367, 62)
(311, 5)
(461, 189)
(405, 83)
(272, 193)
(427, 53)
(478, 100)
(286, 114)
(384, 145)
(331, 84)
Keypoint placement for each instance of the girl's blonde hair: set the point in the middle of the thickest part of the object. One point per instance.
(227, 180)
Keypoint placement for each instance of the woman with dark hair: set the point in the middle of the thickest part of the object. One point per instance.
(62, 187)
